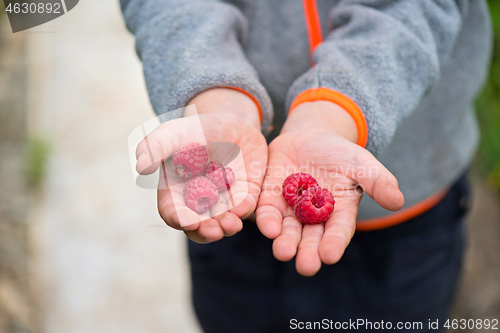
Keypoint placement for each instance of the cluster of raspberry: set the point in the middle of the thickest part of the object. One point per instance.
(311, 203)
(205, 180)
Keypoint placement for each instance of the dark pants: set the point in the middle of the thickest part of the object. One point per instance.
(407, 273)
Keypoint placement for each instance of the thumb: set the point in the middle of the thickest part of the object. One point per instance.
(378, 182)
(164, 141)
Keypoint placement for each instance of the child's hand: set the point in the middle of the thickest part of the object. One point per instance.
(226, 116)
(310, 139)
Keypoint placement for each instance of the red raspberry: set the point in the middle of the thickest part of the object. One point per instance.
(314, 206)
(200, 194)
(295, 184)
(190, 160)
(222, 177)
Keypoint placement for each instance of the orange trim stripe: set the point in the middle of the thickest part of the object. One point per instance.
(253, 99)
(313, 24)
(403, 215)
(325, 94)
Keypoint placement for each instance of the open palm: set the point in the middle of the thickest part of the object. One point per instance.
(223, 218)
(339, 165)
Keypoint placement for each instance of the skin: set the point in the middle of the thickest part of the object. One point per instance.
(226, 115)
(318, 138)
(321, 136)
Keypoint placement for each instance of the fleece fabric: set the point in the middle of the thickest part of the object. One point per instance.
(414, 68)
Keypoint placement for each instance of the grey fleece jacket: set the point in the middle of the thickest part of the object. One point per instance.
(414, 68)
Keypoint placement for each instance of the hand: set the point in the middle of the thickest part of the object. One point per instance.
(310, 142)
(226, 115)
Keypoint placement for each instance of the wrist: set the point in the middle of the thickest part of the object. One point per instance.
(322, 116)
(227, 102)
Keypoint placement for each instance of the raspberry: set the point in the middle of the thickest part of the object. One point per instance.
(314, 206)
(190, 160)
(200, 194)
(295, 184)
(222, 177)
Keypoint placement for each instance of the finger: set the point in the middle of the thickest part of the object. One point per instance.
(195, 237)
(163, 142)
(271, 206)
(166, 208)
(210, 230)
(378, 182)
(230, 223)
(221, 206)
(171, 204)
(285, 245)
(244, 196)
(269, 221)
(339, 229)
(173, 210)
(202, 232)
(308, 261)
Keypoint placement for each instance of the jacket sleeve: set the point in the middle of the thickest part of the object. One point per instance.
(384, 55)
(189, 46)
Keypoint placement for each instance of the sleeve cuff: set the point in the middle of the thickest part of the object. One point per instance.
(325, 94)
(261, 116)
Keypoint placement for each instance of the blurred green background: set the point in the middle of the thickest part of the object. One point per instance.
(488, 110)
